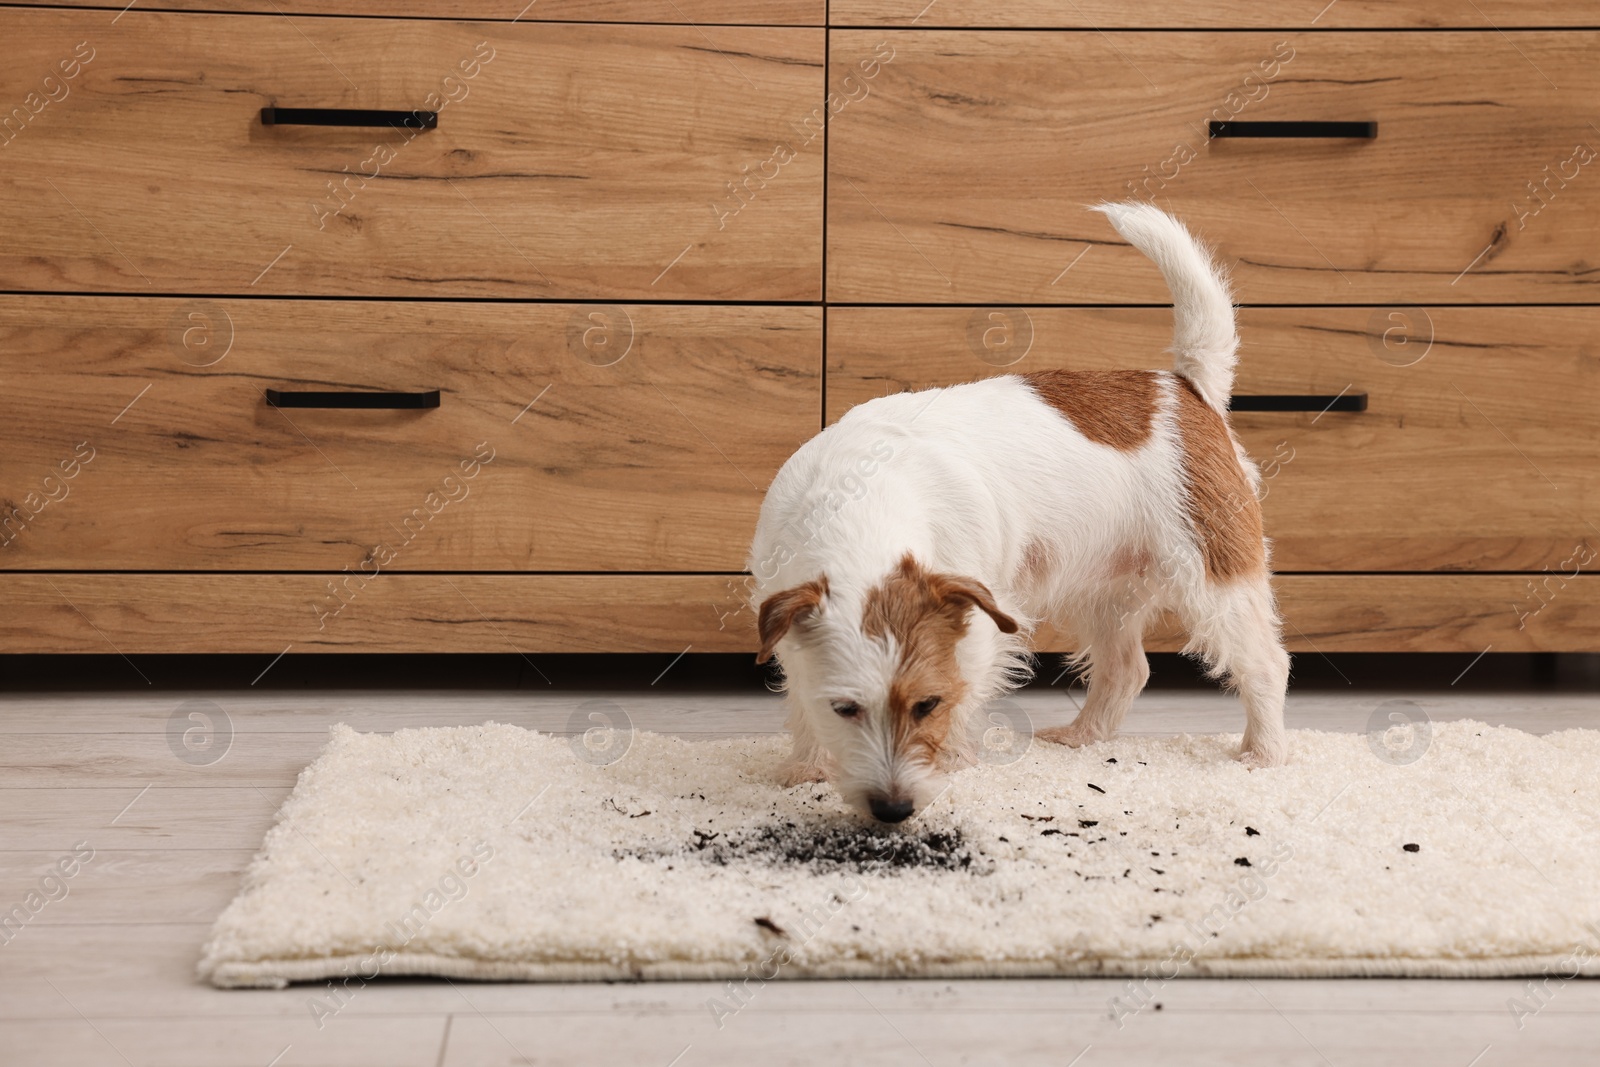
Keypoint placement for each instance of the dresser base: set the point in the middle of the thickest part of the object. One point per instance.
(546, 613)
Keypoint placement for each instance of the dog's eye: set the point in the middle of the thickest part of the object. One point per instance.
(847, 709)
(923, 708)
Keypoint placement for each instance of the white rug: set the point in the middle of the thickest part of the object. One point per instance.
(498, 853)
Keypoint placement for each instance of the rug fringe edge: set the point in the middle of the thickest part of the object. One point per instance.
(276, 974)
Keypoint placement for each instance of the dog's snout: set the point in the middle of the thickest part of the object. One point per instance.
(885, 810)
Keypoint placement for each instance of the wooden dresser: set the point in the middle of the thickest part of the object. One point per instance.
(337, 325)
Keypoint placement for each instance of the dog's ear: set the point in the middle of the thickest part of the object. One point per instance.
(963, 594)
(782, 610)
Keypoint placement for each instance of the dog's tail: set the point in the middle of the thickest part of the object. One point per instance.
(1205, 343)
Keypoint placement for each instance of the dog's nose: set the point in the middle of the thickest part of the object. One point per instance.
(890, 810)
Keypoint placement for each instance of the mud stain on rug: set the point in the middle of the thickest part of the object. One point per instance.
(818, 845)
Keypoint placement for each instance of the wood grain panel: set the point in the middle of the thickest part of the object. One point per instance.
(1215, 14)
(269, 613)
(738, 12)
(962, 170)
(1475, 613)
(570, 161)
(657, 461)
(1478, 451)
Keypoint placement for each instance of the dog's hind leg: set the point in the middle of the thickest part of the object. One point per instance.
(1234, 626)
(1117, 673)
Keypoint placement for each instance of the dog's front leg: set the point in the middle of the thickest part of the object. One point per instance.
(1118, 671)
(808, 761)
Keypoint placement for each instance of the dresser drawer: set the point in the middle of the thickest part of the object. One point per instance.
(277, 613)
(582, 437)
(1219, 14)
(1469, 613)
(1479, 449)
(569, 161)
(963, 175)
(688, 12)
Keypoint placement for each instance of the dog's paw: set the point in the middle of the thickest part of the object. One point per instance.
(793, 774)
(1072, 735)
(1260, 757)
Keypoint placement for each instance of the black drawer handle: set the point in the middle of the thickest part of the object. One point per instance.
(347, 116)
(1364, 131)
(1300, 402)
(408, 401)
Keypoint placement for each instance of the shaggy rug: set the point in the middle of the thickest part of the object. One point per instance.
(494, 852)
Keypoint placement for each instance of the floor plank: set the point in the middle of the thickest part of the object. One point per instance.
(719, 714)
(936, 1038)
(123, 816)
(284, 1042)
(119, 886)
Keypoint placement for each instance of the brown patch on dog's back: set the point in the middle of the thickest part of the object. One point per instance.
(1109, 407)
(1223, 509)
(926, 613)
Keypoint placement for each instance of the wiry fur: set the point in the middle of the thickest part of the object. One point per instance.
(990, 487)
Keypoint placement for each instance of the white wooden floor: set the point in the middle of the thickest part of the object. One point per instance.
(104, 975)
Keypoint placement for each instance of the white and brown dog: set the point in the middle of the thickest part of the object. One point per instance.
(1091, 499)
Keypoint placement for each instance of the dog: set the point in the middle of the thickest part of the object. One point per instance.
(905, 554)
